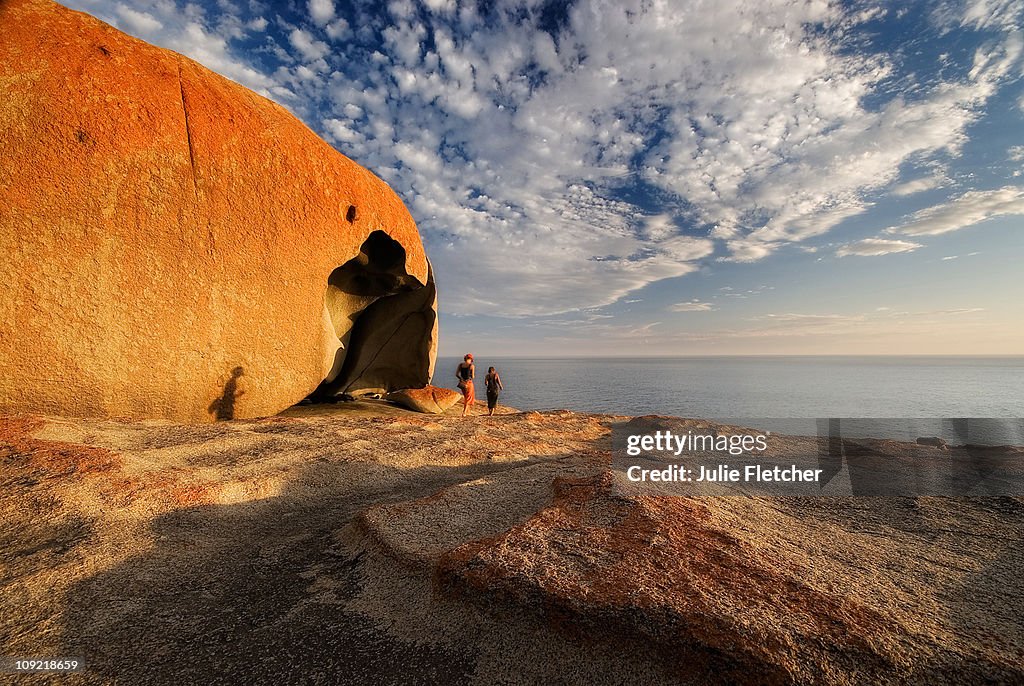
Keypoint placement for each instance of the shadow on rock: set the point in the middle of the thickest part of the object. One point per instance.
(256, 593)
(223, 407)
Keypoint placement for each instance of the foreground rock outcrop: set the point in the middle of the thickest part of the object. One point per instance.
(369, 544)
(177, 246)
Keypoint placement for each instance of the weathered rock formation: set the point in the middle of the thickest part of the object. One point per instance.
(394, 342)
(177, 246)
(430, 399)
(487, 550)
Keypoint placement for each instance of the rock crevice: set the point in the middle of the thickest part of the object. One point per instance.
(188, 136)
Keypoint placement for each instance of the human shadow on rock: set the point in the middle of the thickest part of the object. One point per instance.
(223, 407)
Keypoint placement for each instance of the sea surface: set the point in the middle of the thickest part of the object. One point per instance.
(905, 397)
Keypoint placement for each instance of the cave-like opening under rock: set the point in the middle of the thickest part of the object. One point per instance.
(382, 320)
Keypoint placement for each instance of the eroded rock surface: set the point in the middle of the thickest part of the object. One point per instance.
(429, 399)
(172, 241)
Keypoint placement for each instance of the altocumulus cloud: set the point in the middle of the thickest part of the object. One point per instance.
(321, 11)
(560, 157)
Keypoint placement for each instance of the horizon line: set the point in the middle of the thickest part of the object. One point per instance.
(678, 356)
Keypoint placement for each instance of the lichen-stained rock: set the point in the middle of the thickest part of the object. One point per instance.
(430, 399)
(666, 569)
(172, 241)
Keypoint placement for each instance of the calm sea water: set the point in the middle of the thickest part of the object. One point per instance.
(790, 390)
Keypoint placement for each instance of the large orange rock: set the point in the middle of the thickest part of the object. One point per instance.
(178, 246)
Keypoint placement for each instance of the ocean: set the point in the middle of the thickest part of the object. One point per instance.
(906, 397)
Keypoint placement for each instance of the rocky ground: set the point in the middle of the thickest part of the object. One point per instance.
(362, 543)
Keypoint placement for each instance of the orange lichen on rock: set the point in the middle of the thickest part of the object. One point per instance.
(191, 494)
(657, 567)
(20, 449)
(170, 236)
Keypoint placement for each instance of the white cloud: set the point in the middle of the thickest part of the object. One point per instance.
(729, 292)
(791, 317)
(749, 250)
(762, 127)
(1016, 153)
(212, 51)
(310, 48)
(338, 29)
(870, 247)
(440, 5)
(659, 226)
(881, 321)
(917, 185)
(321, 11)
(692, 306)
(966, 210)
(1004, 14)
(138, 22)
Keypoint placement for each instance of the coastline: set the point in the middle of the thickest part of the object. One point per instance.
(428, 548)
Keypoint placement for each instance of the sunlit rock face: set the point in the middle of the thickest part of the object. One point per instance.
(177, 246)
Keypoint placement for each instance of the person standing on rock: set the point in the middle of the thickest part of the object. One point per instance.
(465, 373)
(493, 383)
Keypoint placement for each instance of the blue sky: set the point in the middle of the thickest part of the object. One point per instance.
(668, 178)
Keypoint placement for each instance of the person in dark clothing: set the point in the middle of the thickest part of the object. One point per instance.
(493, 383)
(465, 373)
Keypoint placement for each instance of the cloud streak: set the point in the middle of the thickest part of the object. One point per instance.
(692, 306)
(973, 207)
(872, 247)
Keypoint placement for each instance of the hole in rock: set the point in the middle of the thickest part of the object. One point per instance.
(378, 271)
(350, 214)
